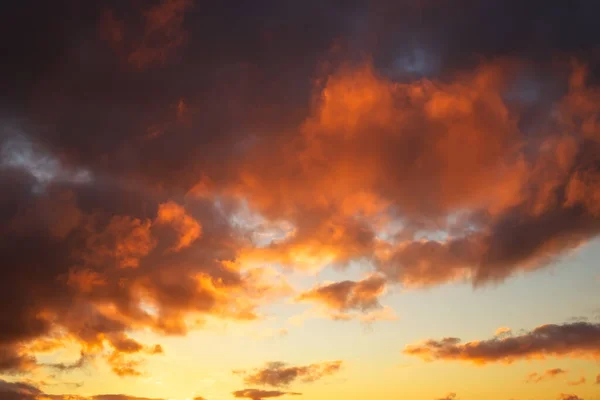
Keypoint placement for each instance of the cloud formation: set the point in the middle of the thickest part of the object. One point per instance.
(26, 391)
(159, 174)
(565, 396)
(278, 374)
(339, 298)
(257, 394)
(572, 340)
(548, 374)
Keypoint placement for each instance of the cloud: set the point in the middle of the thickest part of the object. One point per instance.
(449, 396)
(26, 391)
(341, 297)
(564, 396)
(81, 362)
(14, 360)
(503, 331)
(598, 379)
(124, 365)
(573, 340)
(257, 394)
(548, 374)
(101, 275)
(578, 382)
(162, 35)
(187, 227)
(279, 374)
(18, 391)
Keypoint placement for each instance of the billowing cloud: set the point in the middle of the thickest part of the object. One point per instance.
(548, 374)
(279, 374)
(104, 272)
(257, 394)
(573, 340)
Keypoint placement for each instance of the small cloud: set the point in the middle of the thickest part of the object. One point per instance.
(565, 396)
(503, 332)
(257, 394)
(534, 377)
(449, 396)
(279, 374)
(578, 382)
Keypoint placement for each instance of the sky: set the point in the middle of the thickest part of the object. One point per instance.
(300, 200)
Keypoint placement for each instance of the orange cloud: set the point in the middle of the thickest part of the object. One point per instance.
(124, 366)
(279, 374)
(574, 340)
(122, 244)
(187, 227)
(374, 154)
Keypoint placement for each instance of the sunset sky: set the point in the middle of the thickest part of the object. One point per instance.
(298, 199)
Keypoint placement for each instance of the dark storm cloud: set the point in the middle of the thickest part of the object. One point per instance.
(442, 36)
(88, 103)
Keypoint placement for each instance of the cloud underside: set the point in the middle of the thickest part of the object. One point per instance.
(155, 178)
(258, 394)
(573, 340)
(25, 391)
(280, 374)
